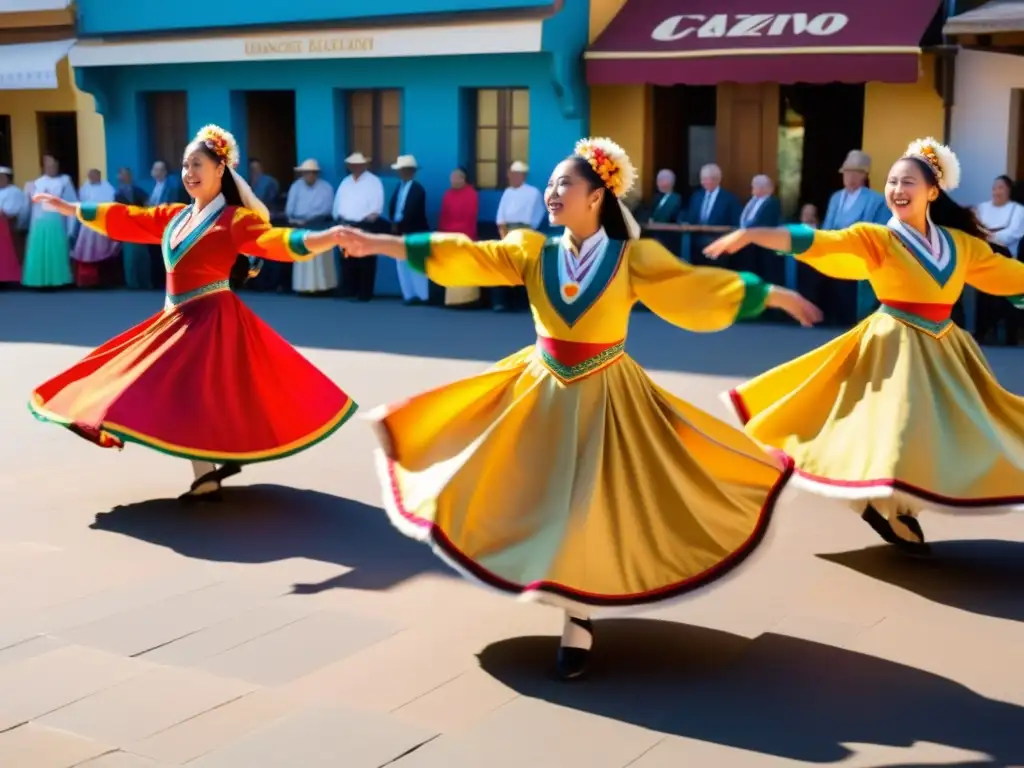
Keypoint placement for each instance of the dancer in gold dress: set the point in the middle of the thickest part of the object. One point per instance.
(564, 473)
(901, 413)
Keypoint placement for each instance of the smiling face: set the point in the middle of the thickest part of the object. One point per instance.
(908, 192)
(1000, 192)
(201, 174)
(571, 201)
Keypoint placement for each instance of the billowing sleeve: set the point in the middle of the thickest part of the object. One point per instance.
(695, 298)
(255, 237)
(455, 260)
(128, 223)
(845, 254)
(993, 273)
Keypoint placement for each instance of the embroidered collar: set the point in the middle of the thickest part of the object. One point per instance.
(603, 268)
(576, 269)
(936, 253)
(204, 219)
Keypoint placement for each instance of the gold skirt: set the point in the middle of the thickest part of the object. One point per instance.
(605, 491)
(898, 409)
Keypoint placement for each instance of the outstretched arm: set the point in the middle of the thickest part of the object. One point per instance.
(451, 260)
(994, 273)
(706, 298)
(127, 223)
(845, 254)
(255, 237)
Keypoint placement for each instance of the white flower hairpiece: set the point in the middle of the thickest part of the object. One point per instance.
(942, 160)
(610, 162)
(221, 142)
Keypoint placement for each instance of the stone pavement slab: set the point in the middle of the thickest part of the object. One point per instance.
(292, 626)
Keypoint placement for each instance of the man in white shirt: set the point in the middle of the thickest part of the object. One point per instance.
(309, 206)
(359, 203)
(521, 207)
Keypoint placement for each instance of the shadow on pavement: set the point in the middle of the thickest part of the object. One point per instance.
(776, 695)
(267, 523)
(979, 576)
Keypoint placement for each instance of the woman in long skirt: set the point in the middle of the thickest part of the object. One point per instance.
(902, 413)
(564, 474)
(205, 379)
(48, 254)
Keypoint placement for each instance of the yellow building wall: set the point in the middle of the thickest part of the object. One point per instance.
(23, 107)
(896, 114)
(622, 112)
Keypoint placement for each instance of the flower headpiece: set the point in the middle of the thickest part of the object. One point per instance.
(221, 142)
(940, 158)
(610, 162)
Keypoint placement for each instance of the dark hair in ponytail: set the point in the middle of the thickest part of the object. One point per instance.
(945, 211)
(240, 270)
(611, 213)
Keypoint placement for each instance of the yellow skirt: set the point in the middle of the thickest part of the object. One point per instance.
(893, 410)
(606, 491)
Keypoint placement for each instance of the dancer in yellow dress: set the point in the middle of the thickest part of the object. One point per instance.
(902, 412)
(564, 473)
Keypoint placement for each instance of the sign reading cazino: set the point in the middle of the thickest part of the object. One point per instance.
(749, 25)
(310, 46)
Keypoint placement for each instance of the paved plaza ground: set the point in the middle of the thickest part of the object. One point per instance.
(292, 627)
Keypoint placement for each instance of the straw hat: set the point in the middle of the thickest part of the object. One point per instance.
(308, 166)
(857, 160)
(357, 158)
(519, 167)
(405, 161)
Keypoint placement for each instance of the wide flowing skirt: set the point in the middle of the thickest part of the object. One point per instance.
(317, 275)
(890, 411)
(207, 380)
(10, 268)
(47, 259)
(91, 247)
(607, 491)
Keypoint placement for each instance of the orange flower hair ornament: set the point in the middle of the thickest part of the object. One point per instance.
(940, 158)
(610, 162)
(221, 142)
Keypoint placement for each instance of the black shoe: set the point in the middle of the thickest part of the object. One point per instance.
(571, 663)
(880, 525)
(919, 548)
(216, 476)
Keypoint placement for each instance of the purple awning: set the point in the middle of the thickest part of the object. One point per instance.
(704, 42)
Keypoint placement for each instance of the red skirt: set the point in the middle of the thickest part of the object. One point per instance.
(207, 380)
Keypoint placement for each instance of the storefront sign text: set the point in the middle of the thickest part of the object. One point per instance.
(309, 46)
(749, 25)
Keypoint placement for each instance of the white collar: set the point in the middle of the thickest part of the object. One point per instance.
(593, 241)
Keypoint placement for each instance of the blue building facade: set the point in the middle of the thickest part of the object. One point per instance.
(439, 60)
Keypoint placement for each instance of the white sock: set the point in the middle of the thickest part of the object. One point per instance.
(200, 468)
(574, 636)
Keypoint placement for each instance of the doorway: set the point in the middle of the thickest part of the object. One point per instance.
(684, 131)
(270, 133)
(58, 136)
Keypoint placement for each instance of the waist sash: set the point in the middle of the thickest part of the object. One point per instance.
(933, 319)
(177, 299)
(573, 360)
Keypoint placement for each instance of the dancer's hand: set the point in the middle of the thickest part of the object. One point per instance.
(794, 305)
(726, 244)
(357, 243)
(59, 204)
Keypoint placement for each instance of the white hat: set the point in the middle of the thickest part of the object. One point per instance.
(519, 167)
(308, 166)
(405, 161)
(6, 171)
(857, 160)
(357, 158)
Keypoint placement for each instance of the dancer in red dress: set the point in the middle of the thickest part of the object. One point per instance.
(205, 379)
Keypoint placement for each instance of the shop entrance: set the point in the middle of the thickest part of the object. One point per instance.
(270, 133)
(684, 131)
(58, 136)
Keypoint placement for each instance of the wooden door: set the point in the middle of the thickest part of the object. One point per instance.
(747, 133)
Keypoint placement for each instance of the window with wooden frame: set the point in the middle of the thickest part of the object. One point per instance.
(167, 121)
(501, 135)
(375, 125)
